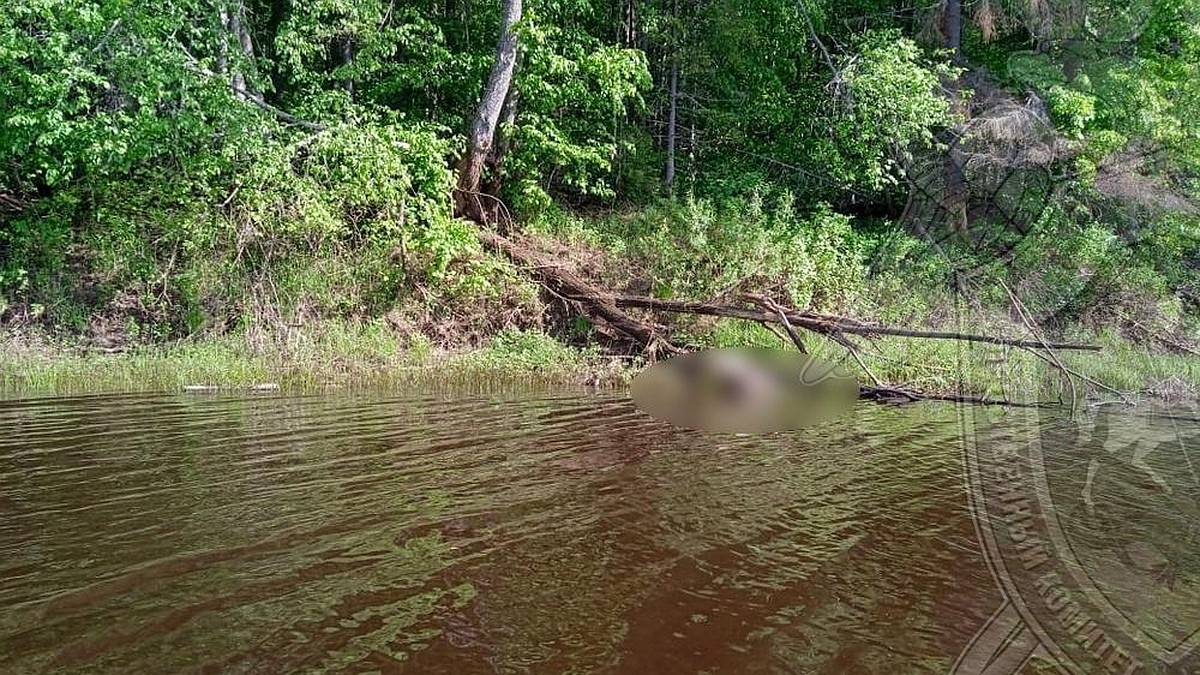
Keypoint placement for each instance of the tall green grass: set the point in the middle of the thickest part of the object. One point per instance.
(337, 355)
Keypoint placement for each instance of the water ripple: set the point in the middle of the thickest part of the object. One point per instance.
(551, 532)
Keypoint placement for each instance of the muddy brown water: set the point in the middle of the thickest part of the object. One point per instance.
(527, 531)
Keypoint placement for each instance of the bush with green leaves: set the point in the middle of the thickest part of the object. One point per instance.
(573, 89)
(894, 100)
(374, 199)
(699, 248)
(358, 186)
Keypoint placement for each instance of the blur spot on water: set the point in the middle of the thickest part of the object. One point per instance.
(744, 390)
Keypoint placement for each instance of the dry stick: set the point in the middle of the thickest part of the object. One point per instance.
(883, 393)
(12, 202)
(836, 336)
(853, 350)
(825, 325)
(571, 286)
(607, 306)
(879, 390)
(232, 194)
(1053, 358)
(812, 32)
(778, 333)
(1022, 310)
(193, 64)
(1166, 341)
(499, 203)
(787, 325)
(1100, 385)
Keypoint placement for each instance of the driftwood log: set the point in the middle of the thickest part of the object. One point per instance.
(610, 308)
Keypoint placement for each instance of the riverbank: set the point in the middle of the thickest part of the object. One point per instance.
(341, 355)
(333, 355)
(368, 318)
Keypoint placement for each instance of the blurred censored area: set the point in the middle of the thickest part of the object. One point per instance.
(744, 390)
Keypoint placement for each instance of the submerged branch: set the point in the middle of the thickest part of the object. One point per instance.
(897, 395)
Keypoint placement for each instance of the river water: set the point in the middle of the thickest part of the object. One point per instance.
(567, 532)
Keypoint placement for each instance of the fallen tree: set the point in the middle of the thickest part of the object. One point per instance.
(826, 324)
(565, 284)
(609, 308)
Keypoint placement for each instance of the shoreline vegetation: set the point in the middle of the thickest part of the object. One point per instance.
(363, 193)
(372, 356)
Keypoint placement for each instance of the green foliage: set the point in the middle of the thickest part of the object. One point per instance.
(163, 174)
(895, 105)
(96, 89)
(573, 88)
(401, 59)
(1072, 110)
(363, 185)
(512, 351)
(699, 248)
(1032, 70)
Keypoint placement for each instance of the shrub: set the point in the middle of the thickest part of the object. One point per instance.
(701, 248)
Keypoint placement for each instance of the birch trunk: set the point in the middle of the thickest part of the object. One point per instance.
(669, 177)
(240, 33)
(483, 129)
(348, 59)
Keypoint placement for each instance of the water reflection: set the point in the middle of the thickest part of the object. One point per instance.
(507, 532)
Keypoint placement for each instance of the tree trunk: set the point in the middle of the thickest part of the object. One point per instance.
(347, 60)
(954, 29)
(693, 152)
(956, 184)
(824, 324)
(239, 32)
(484, 127)
(626, 30)
(669, 177)
(502, 140)
(223, 40)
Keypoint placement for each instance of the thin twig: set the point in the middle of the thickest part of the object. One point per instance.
(1052, 357)
(853, 349)
(787, 325)
(232, 194)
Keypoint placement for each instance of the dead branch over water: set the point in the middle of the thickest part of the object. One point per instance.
(826, 324)
(609, 308)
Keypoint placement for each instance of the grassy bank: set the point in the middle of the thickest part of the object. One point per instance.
(333, 355)
(346, 355)
(372, 316)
